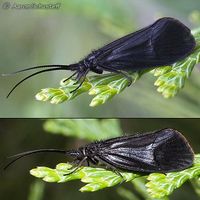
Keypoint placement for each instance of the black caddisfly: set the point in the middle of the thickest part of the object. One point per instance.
(163, 150)
(162, 43)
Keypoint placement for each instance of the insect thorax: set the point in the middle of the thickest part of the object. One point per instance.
(91, 62)
(88, 151)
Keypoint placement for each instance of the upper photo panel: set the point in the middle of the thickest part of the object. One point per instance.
(86, 58)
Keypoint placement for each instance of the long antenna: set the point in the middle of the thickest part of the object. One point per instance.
(67, 67)
(45, 70)
(27, 153)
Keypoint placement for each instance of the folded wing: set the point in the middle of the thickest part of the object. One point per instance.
(161, 151)
(162, 43)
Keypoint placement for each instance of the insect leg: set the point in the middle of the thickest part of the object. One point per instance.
(82, 76)
(88, 163)
(110, 69)
(70, 77)
(116, 172)
(78, 166)
(112, 167)
(94, 161)
(74, 162)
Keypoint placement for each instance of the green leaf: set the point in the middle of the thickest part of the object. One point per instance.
(159, 185)
(91, 129)
(140, 188)
(104, 87)
(56, 96)
(107, 86)
(96, 178)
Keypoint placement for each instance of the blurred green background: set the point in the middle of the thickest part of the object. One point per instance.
(65, 35)
(18, 135)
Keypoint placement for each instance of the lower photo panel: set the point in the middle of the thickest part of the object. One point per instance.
(130, 159)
